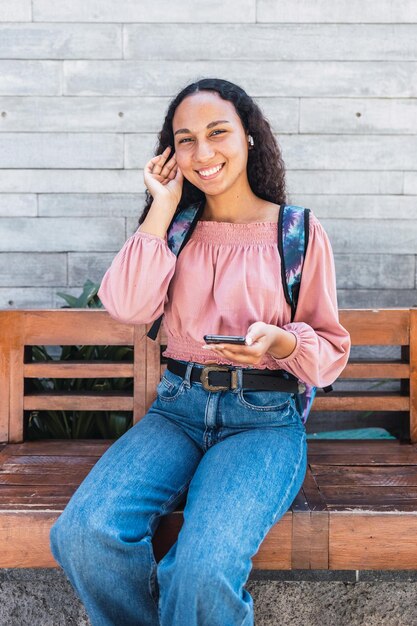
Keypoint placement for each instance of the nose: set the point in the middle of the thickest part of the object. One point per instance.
(203, 152)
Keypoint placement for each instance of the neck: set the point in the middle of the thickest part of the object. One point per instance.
(234, 205)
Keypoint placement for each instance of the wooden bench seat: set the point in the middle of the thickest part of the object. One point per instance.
(357, 508)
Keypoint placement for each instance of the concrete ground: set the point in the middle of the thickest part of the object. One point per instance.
(44, 597)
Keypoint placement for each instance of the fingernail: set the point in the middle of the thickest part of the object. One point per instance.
(249, 340)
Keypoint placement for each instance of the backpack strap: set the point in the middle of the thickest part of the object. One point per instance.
(293, 232)
(179, 232)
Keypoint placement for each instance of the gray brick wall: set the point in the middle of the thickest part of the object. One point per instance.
(84, 86)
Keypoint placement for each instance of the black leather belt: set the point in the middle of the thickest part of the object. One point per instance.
(224, 377)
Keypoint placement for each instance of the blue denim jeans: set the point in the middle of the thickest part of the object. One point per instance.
(239, 456)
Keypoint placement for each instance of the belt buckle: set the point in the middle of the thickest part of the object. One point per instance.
(204, 377)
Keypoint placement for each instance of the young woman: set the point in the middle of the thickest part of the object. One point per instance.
(238, 454)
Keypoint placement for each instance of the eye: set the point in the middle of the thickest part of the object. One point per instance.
(214, 131)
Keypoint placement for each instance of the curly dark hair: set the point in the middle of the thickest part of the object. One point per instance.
(265, 167)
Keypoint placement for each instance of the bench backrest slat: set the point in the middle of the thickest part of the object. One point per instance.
(377, 327)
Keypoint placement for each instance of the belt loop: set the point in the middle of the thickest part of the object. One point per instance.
(187, 375)
(239, 372)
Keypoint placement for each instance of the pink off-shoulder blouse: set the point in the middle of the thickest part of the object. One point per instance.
(227, 277)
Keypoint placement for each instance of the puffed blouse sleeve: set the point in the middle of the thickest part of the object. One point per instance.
(323, 344)
(134, 288)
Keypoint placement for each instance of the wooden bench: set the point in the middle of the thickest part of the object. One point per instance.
(357, 508)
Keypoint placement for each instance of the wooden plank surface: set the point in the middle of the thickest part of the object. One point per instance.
(74, 327)
(365, 475)
(36, 476)
(413, 375)
(24, 538)
(78, 369)
(85, 401)
(369, 495)
(370, 327)
(6, 321)
(61, 447)
(361, 452)
(310, 540)
(376, 369)
(16, 356)
(373, 541)
(361, 401)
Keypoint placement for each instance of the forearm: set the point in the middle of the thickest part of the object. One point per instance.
(283, 344)
(157, 220)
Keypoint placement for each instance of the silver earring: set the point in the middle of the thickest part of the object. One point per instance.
(250, 139)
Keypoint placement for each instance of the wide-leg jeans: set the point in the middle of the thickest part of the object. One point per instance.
(238, 456)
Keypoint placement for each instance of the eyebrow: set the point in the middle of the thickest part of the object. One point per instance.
(187, 130)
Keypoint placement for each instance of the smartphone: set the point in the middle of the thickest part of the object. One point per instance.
(225, 339)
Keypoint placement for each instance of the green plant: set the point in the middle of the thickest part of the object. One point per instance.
(87, 299)
(81, 424)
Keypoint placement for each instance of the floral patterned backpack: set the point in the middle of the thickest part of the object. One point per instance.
(293, 229)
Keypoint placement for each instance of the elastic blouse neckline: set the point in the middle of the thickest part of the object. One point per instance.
(231, 232)
(235, 223)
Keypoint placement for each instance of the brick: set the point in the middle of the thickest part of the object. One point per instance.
(144, 11)
(372, 236)
(340, 11)
(376, 298)
(43, 234)
(15, 10)
(30, 78)
(367, 152)
(60, 41)
(410, 182)
(71, 181)
(375, 271)
(343, 182)
(18, 205)
(26, 298)
(89, 204)
(277, 78)
(36, 269)
(43, 150)
(273, 42)
(85, 265)
(358, 115)
(377, 206)
(80, 114)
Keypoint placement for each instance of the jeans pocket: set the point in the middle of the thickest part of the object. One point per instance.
(264, 400)
(170, 386)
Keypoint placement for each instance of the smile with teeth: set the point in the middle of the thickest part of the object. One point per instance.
(210, 173)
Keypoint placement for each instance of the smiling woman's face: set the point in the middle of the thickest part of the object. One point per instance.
(199, 147)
